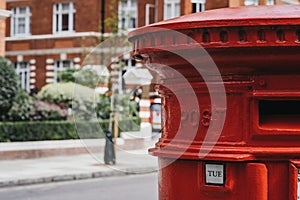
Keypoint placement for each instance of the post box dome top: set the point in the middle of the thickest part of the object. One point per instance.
(226, 17)
(258, 36)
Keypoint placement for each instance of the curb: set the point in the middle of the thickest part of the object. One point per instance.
(75, 177)
(42, 149)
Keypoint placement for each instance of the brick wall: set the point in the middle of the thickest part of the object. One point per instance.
(41, 24)
(2, 30)
(111, 12)
(142, 12)
(41, 19)
(42, 53)
(216, 4)
(2, 37)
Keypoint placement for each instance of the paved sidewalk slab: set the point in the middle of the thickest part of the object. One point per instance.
(65, 168)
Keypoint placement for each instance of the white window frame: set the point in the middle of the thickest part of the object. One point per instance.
(58, 13)
(251, 2)
(200, 5)
(172, 13)
(127, 13)
(147, 13)
(270, 2)
(15, 21)
(59, 67)
(23, 70)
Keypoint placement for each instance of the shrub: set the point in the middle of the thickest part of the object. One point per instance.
(57, 93)
(43, 130)
(22, 107)
(26, 109)
(72, 95)
(53, 130)
(46, 111)
(9, 86)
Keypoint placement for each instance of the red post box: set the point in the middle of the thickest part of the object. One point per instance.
(240, 139)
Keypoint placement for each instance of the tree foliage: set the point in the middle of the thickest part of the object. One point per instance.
(103, 107)
(67, 75)
(9, 86)
(88, 78)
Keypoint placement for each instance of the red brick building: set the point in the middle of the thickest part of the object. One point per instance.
(158, 10)
(44, 37)
(3, 15)
(47, 36)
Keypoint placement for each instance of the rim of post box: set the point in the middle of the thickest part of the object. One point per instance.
(274, 22)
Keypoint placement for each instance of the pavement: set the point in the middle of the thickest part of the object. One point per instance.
(25, 163)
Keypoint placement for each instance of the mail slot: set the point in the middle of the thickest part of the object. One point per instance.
(233, 132)
(279, 114)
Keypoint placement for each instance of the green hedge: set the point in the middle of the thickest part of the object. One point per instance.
(56, 130)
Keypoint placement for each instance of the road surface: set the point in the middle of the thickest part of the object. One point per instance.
(133, 187)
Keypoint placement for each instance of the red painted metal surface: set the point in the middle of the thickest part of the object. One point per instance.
(257, 52)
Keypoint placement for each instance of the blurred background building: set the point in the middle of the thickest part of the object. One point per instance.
(3, 15)
(46, 37)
